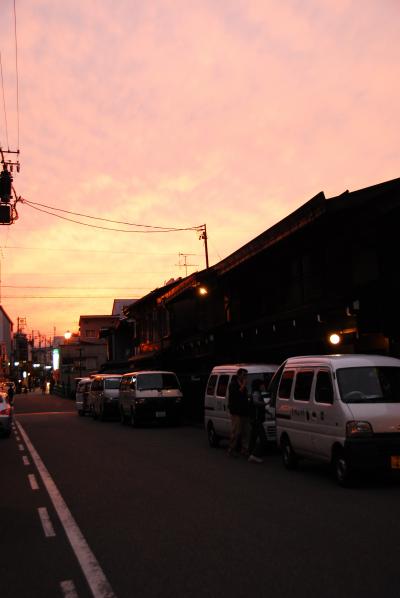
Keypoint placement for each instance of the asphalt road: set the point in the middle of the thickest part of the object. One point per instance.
(164, 515)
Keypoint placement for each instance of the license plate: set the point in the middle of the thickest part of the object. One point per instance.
(395, 461)
(160, 414)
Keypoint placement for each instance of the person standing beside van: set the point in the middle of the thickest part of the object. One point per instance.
(10, 394)
(238, 405)
(257, 418)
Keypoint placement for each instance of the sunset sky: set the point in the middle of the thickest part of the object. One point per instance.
(178, 113)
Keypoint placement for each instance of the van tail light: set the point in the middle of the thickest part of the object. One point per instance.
(7, 411)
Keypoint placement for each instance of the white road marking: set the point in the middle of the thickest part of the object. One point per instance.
(21, 447)
(95, 577)
(25, 460)
(68, 589)
(33, 481)
(17, 438)
(46, 522)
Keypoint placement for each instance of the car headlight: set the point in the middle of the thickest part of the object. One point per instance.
(358, 428)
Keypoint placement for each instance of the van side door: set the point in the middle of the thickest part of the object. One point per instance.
(123, 388)
(222, 419)
(301, 412)
(209, 399)
(325, 422)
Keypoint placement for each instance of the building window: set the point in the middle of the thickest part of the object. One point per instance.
(90, 334)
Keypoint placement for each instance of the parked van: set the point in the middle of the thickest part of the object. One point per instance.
(341, 409)
(82, 395)
(103, 397)
(148, 396)
(217, 421)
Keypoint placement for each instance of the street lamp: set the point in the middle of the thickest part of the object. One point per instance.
(67, 335)
(335, 338)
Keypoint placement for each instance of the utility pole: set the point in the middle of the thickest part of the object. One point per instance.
(1, 260)
(203, 237)
(185, 264)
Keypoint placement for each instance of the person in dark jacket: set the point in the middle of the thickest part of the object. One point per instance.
(258, 438)
(10, 393)
(238, 405)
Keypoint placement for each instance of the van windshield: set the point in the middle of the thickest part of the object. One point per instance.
(369, 384)
(265, 377)
(157, 382)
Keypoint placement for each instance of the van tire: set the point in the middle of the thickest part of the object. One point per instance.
(289, 457)
(94, 414)
(341, 469)
(102, 416)
(132, 419)
(122, 417)
(81, 412)
(213, 438)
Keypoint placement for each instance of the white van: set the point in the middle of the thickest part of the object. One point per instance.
(82, 395)
(217, 420)
(150, 396)
(341, 409)
(103, 396)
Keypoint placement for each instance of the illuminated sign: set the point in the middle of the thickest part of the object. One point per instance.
(56, 359)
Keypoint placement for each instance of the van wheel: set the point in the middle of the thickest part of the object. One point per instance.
(94, 414)
(102, 416)
(122, 416)
(289, 457)
(81, 412)
(341, 469)
(213, 438)
(132, 419)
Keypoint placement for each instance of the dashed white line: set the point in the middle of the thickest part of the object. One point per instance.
(33, 481)
(46, 522)
(92, 571)
(25, 460)
(68, 589)
(21, 447)
(17, 438)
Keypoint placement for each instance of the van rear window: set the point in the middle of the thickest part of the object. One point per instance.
(285, 386)
(302, 389)
(211, 385)
(157, 382)
(112, 383)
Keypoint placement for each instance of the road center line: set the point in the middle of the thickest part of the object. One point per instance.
(68, 589)
(33, 481)
(21, 447)
(46, 522)
(95, 577)
(25, 460)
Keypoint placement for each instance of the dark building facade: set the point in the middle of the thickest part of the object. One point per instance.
(329, 267)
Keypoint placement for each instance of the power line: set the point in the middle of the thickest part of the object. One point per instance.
(167, 228)
(123, 251)
(91, 297)
(158, 229)
(75, 273)
(12, 286)
(4, 101)
(16, 71)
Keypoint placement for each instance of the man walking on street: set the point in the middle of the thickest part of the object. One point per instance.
(239, 410)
